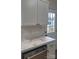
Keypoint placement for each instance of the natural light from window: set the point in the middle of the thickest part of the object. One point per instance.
(51, 22)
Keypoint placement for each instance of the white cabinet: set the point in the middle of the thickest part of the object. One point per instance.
(42, 12)
(34, 12)
(29, 12)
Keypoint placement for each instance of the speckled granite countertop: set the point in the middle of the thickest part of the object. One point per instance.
(27, 45)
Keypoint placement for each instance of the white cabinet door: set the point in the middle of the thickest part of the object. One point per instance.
(29, 12)
(42, 12)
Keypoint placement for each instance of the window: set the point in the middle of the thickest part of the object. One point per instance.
(51, 22)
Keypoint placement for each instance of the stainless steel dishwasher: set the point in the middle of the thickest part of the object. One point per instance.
(37, 53)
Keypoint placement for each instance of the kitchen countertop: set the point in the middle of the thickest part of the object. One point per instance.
(27, 45)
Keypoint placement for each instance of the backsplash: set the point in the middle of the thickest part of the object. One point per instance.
(30, 32)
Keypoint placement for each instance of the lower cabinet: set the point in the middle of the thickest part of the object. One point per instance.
(38, 53)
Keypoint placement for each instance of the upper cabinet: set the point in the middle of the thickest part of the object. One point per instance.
(34, 12)
(53, 4)
(42, 12)
(29, 12)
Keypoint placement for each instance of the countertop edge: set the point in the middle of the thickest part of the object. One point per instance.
(22, 51)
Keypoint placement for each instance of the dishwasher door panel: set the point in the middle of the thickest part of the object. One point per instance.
(41, 55)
